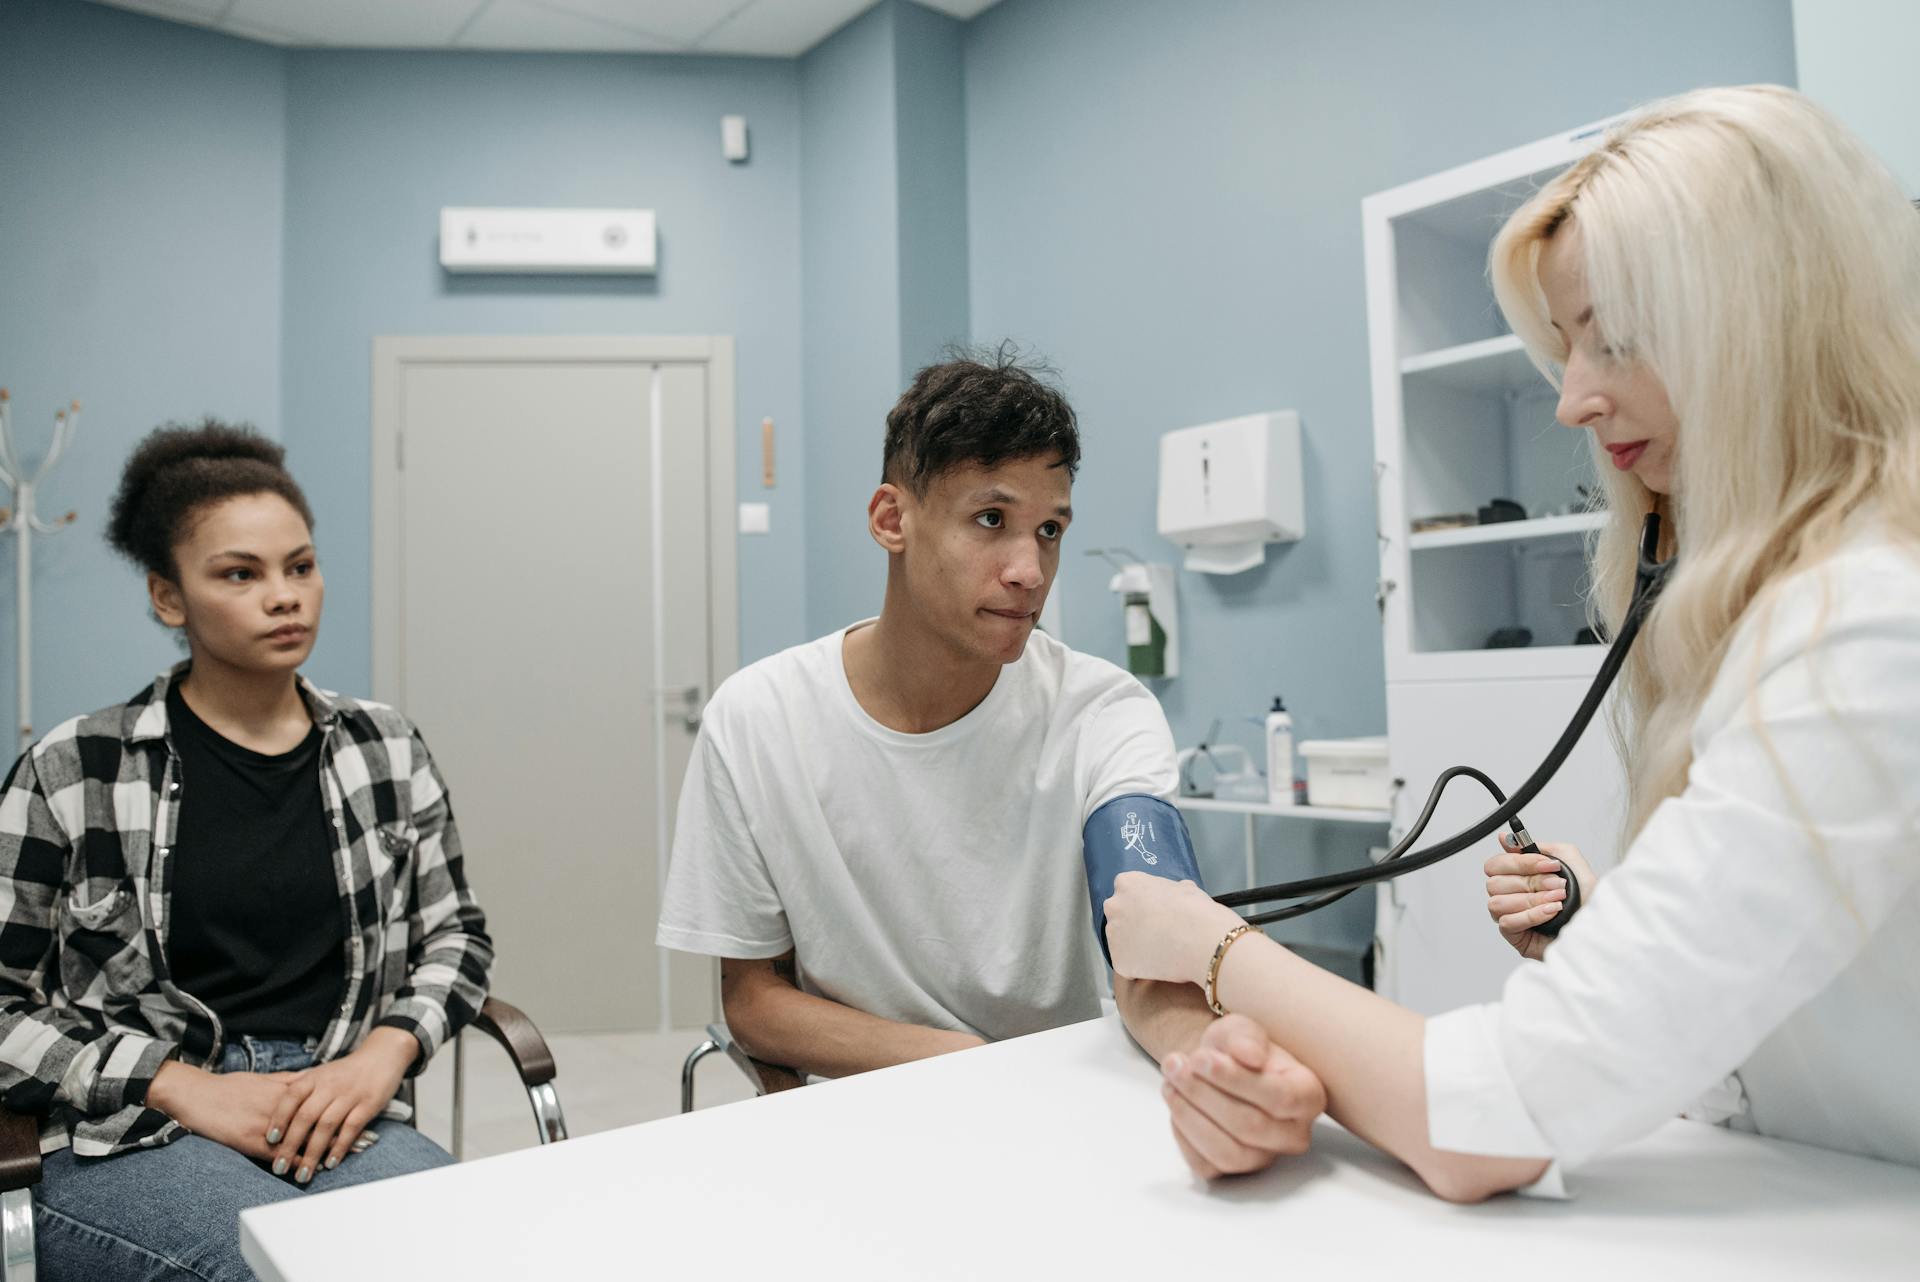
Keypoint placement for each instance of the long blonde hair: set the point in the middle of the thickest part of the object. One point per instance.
(1766, 267)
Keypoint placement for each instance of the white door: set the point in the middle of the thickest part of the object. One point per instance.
(554, 598)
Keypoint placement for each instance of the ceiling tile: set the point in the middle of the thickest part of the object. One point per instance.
(681, 21)
(961, 9)
(202, 12)
(415, 24)
(773, 28)
(509, 24)
(267, 35)
(781, 28)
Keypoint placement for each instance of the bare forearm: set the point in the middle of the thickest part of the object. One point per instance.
(780, 1024)
(1369, 1053)
(1162, 1017)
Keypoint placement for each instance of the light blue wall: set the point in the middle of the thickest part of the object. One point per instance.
(930, 93)
(1856, 58)
(1164, 196)
(850, 303)
(883, 182)
(140, 223)
(1161, 197)
(378, 142)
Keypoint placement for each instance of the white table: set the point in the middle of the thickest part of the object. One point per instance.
(1048, 1157)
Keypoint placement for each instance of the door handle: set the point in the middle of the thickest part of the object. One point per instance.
(690, 702)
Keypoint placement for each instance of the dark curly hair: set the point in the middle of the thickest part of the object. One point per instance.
(977, 407)
(177, 471)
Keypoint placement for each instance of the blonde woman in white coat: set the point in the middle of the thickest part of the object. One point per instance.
(1727, 292)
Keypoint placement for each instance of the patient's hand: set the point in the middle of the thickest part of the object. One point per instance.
(1238, 1101)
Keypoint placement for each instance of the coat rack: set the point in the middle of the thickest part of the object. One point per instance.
(22, 520)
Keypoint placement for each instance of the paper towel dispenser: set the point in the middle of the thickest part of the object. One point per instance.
(1228, 489)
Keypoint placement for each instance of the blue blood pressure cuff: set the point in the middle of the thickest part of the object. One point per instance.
(1134, 833)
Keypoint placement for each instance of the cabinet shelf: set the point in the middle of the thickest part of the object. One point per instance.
(1518, 666)
(1543, 527)
(1492, 365)
(1266, 810)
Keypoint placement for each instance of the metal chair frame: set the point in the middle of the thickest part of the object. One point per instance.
(20, 1133)
(766, 1078)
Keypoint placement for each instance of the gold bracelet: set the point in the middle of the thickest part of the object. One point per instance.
(1213, 967)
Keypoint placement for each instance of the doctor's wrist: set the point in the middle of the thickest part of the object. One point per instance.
(1212, 925)
(1216, 960)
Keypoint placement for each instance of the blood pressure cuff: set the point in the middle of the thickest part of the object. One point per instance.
(1134, 833)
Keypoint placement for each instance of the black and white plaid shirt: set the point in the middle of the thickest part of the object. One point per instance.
(88, 1007)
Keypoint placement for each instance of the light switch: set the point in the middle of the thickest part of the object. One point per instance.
(756, 518)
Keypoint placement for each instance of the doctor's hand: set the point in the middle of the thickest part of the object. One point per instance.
(1161, 929)
(1525, 890)
(1238, 1102)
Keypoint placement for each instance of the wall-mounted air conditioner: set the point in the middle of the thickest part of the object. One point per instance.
(547, 240)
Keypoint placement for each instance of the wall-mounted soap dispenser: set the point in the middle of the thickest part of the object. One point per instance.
(1228, 489)
(1152, 628)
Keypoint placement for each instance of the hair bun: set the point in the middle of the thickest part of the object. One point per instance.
(211, 439)
(179, 467)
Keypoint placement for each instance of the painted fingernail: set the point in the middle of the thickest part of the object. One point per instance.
(332, 1162)
(1556, 906)
(1175, 1063)
(279, 1166)
(1556, 883)
(306, 1173)
(273, 1136)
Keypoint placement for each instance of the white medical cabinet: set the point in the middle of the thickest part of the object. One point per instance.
(1460, 418)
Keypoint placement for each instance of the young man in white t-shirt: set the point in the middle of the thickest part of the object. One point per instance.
(880, 831)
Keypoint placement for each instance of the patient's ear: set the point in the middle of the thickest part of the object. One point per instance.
(169, 604)
(886, 513)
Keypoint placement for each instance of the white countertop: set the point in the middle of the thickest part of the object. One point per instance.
(1049, 1156)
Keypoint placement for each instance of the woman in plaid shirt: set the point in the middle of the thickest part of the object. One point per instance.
(233, 917)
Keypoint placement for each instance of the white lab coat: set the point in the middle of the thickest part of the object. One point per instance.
(1764, 924)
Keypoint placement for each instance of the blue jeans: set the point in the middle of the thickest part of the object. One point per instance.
(173, 1212)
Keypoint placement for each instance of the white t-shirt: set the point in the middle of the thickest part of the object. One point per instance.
(932, 879)
(1763, 928)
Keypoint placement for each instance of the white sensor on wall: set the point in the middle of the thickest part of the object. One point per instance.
(733, 138)
(547, 240)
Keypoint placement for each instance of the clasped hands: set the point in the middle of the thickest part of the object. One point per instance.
(1237, 1101)
(300, 1122)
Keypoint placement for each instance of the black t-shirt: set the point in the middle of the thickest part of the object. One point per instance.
(259, 929)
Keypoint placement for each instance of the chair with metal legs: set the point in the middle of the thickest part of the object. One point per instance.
(19, 1172)
(532, 1060)
(766, 1078)
(505, 1024)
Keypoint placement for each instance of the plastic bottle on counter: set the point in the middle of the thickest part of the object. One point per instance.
(1279, 755)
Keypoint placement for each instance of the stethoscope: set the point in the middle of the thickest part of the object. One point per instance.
(1649, 577)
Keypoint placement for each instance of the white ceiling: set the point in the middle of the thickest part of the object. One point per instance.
(773, 28)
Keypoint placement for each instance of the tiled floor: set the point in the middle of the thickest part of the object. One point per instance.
(605, 1080)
